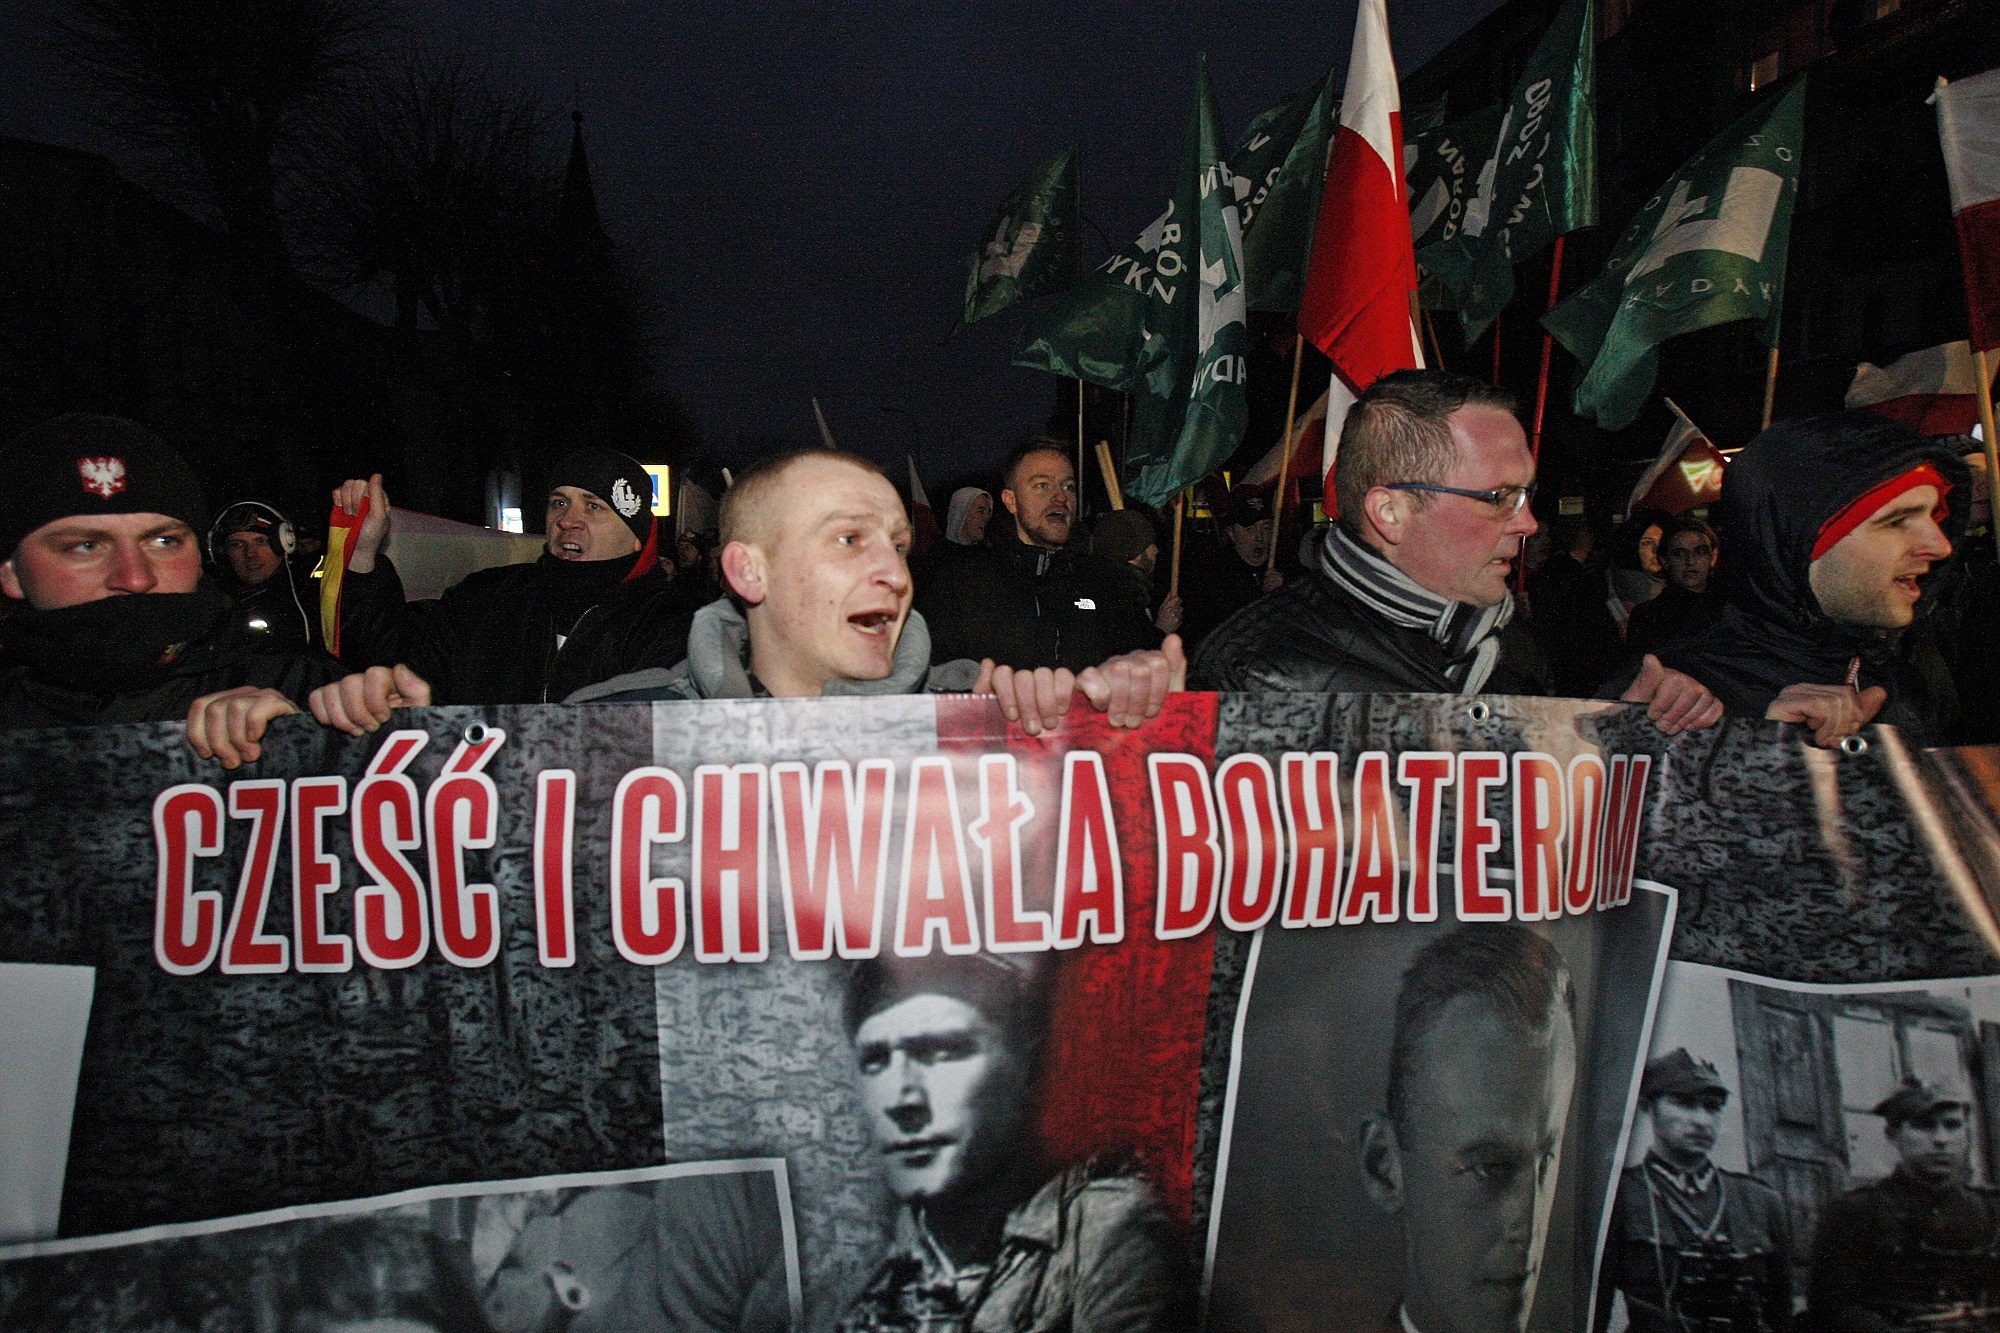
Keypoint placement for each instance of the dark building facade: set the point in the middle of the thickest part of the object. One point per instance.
(1873, 270)
(113, 301)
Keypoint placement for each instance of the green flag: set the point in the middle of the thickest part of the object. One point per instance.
(1034, 244)
(1163, 320)
(1539, 179)
(1708, 248)
(1441, 168)
(1280, 169)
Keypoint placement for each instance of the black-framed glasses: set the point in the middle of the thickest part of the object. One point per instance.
(1507, 501)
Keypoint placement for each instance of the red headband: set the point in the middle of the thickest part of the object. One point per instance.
(649, 554)
(1863, 506)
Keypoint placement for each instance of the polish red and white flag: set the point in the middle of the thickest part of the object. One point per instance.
(1969, 129)
(1934, 391)
(923, 519)
(1362, 279)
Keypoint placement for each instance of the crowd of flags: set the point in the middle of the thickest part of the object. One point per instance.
(1325, 208)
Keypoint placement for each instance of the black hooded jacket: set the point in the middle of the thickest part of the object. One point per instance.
(1776, 496)
(517, 634)
(1026, 607)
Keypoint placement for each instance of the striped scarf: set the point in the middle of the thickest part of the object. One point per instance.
(1470, 635)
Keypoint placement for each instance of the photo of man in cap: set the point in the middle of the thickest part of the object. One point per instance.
(1920, 1248)
(1692, 1246)
(987, 1234)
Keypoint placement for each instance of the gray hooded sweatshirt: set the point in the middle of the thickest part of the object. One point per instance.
(717, 666)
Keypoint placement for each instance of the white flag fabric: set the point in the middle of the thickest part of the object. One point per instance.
(1682, 434)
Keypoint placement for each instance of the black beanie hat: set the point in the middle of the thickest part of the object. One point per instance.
(82, 463)
(613, 478)
(1120, 534)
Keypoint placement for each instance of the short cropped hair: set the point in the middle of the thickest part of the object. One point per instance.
(1688, 523)
(1034, 444)
(1509, 966)
(1010, 991)
(739, 501)
(1399, 431)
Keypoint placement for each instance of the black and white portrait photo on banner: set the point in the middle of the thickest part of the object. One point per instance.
(1421, 1135)
(706, 1245)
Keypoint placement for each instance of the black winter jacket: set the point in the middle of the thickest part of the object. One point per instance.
(492, 638)
(228, 657)
(1776, 496)
(1025, 607)
(1314, 637)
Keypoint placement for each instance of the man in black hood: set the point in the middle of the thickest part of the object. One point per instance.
(594, 606)
(110, 619)
(1839, 526)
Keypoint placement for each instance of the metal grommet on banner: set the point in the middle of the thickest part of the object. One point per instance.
(569, 1289)
(1479, 711)
(1853, 745)
(475, 733)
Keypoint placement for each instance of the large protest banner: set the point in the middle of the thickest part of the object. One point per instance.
(879, 1014)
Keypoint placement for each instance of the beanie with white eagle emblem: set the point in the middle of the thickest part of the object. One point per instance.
(83, 464)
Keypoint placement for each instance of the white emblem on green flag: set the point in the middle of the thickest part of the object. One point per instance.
(1164, 320)
(1280, 171)
(1033, 246)
(1707, 249)
(1539, 177)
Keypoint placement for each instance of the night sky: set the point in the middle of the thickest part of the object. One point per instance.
(803, 183)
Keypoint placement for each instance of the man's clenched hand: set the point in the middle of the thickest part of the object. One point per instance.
(1675, 701)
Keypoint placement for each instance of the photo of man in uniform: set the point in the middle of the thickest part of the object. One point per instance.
(1920, 1248)
(1692, 1246)
(1465, 1152)
(987, 1236)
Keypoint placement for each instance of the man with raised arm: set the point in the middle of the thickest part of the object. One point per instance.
(595, 604)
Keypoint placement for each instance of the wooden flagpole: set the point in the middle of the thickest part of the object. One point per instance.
(1437, 348)
(1079, 435)
(1496, 351)
(1285, 453)
(1770, 387)
(1548, 347)
(1174, 580)
(1109, 471)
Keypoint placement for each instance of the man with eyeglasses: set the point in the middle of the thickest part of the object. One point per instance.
(1411, 594)
(1026, 598)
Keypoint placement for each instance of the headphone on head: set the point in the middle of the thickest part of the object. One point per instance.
(288, 538)
(288, 542)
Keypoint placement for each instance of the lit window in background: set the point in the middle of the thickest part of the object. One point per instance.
(510, 520)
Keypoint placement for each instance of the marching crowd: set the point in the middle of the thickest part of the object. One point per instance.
(1833, 588)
